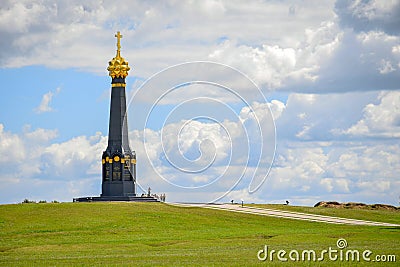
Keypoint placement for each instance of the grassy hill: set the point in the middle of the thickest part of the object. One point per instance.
(154, 234)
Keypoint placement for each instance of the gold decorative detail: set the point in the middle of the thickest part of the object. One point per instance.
(107, 158)
(122, 160)
(118, 67)
(110, 161)
(118, 84)
(116, 175)
(133, 161)
(103, 161)
(116, 158)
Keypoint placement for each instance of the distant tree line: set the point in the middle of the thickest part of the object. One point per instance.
(40, 201)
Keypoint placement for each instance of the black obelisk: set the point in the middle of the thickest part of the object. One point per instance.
(118, 161)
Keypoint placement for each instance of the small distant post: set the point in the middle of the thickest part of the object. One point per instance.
(242, 202)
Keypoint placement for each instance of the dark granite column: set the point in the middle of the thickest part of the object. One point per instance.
(118, 160)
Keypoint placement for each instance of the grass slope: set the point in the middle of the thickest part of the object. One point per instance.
(155, 234)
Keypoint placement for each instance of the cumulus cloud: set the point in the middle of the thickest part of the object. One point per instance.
(338, 170)
(379, 120)
(39, 136)
(44, 105)
(335, 140)
(12, 148)
(329, 59)
(275, 66)
(323, 51)
(268, 64)
(76, 157)
(318, 116)
(338, 166)
(208, 152)
(303, 172)
(34, 158)
(332, 117)
(369, 15)
(331, 168)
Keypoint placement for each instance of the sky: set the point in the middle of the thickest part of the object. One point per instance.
(260, 101)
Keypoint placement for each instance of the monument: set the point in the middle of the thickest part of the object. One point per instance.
(118, 160)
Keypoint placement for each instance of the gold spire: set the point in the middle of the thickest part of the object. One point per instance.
(118, 67)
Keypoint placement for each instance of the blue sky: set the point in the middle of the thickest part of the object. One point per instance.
(71, 97)
(327, 71)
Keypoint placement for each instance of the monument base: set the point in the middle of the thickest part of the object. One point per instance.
(116, 198)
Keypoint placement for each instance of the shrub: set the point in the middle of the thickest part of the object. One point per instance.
(28, 201)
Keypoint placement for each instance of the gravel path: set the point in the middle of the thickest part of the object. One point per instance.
(287, 214)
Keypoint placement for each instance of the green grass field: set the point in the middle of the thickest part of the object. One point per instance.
(155, 234)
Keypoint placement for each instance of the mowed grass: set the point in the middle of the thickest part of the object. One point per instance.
(155, 234)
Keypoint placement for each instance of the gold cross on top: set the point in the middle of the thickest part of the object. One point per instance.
(118, 67)
(119, 36)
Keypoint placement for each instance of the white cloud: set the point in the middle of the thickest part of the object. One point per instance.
(330, 145)
(337, 167)
(338, 172)
(374, 41)
(366, 162)
(277, 107)
(39, 135)
(369, 15)
(372, 9)
(379, 120)
(44, 105)
(195, 152)
(38, 156)
(303, 171)
(320, 116)
(327, 184)
(386, 67)
(325, 59)
(307, 171)
(268, 64)
(280, 44)
(195, 143)
(21, 15)
(274, 66)
(11, 147)
(338, 185)
(79, 156)
(380, 186)
(33, 158)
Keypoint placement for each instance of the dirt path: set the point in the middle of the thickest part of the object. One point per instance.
(287, 214)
